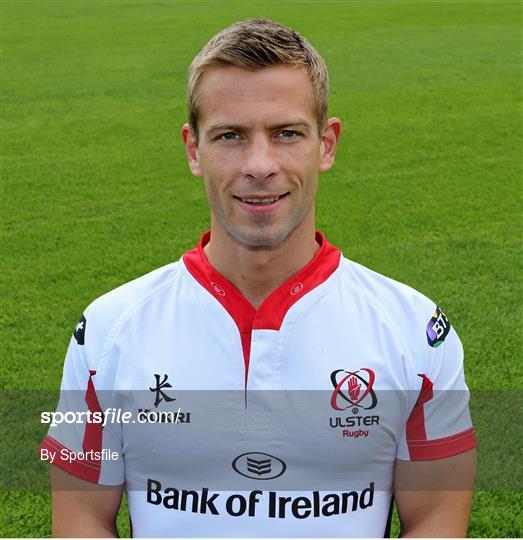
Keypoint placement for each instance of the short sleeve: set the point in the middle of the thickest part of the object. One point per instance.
(439, 424)
(78, 441)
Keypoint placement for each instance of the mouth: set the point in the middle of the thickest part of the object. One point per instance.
(259, 200)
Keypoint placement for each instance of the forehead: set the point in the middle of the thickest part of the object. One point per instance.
(232, 94)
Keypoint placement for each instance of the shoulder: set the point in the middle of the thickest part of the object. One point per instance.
(105, 315)
(390, 295)
(410, 313)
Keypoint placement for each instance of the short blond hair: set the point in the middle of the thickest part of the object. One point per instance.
(254, 44)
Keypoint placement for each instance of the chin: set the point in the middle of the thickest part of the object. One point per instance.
(259, 240)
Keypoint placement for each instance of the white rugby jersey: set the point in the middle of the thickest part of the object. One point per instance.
(281, 421)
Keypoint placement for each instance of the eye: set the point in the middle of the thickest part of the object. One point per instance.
(289, 134)
(228, 136)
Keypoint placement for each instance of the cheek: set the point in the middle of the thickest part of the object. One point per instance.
(218, 170)
(309, 174)
(305, 159)
(212, 190)
(218, 198)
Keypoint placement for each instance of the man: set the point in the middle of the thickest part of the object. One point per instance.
(308, 390)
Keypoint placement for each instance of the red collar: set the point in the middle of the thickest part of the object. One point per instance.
(272, 311)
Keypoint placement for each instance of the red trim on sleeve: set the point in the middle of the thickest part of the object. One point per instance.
(84, 469)
(93, 431)
(271, 313)
(444, 447)
(416, 422)
(420, 448)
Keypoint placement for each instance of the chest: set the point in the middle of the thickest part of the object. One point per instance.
(319, 399)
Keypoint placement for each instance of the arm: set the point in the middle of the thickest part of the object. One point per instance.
(433, 497)
(83, 509)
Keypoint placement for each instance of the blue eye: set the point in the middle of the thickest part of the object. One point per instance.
(229, 136)
(289, 134)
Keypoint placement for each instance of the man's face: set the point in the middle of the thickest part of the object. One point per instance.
(259, 152)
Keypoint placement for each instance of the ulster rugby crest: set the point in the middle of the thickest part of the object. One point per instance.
(353, 390)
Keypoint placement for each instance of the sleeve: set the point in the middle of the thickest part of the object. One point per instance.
(439, 424)
(80, 440)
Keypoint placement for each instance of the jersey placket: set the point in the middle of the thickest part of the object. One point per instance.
(261, 333)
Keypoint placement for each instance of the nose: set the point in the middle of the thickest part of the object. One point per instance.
(260, 160)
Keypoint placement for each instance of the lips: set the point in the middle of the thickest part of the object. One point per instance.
(261, 200)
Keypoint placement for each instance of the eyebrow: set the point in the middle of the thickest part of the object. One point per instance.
(298, 122)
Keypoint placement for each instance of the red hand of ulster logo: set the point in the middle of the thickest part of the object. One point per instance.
(341, 401)
(354, 388)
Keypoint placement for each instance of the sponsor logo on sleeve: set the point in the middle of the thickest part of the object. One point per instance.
(438, 328)
(79, 331)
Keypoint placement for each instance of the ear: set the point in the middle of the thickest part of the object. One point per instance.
(329, 142)
(191, 150)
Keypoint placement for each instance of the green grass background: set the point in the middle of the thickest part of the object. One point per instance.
(96, 191)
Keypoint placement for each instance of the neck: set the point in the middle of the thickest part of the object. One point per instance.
(257, 273)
